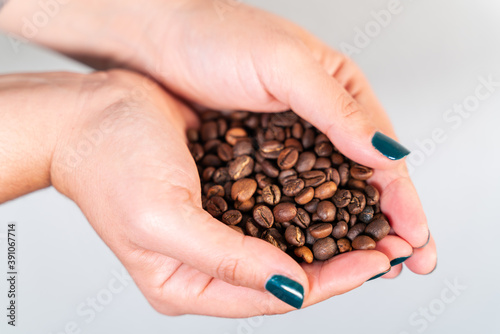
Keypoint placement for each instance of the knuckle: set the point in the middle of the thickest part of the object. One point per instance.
(227, 270)
(347, 107)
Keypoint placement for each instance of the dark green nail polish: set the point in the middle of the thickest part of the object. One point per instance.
(286, 289)
(399, 260)
(428, 239)
(381, 274)
(389, 147)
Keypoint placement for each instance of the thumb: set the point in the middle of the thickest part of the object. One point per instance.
(190, 235)
(297, 80)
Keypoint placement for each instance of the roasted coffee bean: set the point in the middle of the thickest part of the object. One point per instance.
(340, 230)
(252, 122)
(237, 229)
(284, 212)
(360, 172)
(221, 127)
(353, 220)
(357, 203)
(271, 194)
(372, 195)
(297, 131)
(323, 149)
(239, 115)
(355, 231)
(216, 206)
(211, 160)
(332, 175)
(366, 215)
(252, 228)
(322, 163)
(207, 174)
(241, 167)
(274, 237)
(292, 142)
(245, 206)
(356, 184)
(312, 206)
(302, 218)
(288, 158)
(286, 175)
(324, 249)
(263, 216)
(378, 229)
(313, 178)
(259, 200)
(192, 135)
(293, 187)
(216, 190)
(310, 240)
(305, 196)
(305, 162)
(269, 169)
(209, 115)
(344, 245)
(343, 215)
(271, 149)
(263, 180)
(326, 190)
(326, 211)
(320, 230)
(304, 253)
(227, 191)
(243, 189)
(284, 119)
(363, 242)
(196, 151)
(234, 135)
(221, 175)
(295, 236)
(308, 139)
(207, 186)
(337, 159)
(232, 217)
(225, 152)
(342, 198)
(211, 146)
(321, 138)
(208, 130)
(315, 218)
(344, 173)
(243, 147)
(287, 199)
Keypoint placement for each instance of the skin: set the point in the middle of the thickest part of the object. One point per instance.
(138, 186)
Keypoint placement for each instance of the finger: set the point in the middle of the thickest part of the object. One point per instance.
(424, 260)
(395, 272)
(396, 249)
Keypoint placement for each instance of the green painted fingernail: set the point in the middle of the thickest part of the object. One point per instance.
(389, 147)
(399, 260)
(286, 290)
(381, 274)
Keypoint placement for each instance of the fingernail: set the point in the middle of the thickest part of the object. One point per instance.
(399, 260)
(286, 290)
(381, 274)
(428, 239)
(389, 147)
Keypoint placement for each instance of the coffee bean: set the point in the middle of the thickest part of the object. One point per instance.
(305, 162)
(355, 231)
(241, 167)
(232, 217)
(274, 237)
(209, 115)
(293, 187)
(304, 253)
(245, 206)
(211, 146)
(237, 229)
(196, 151)
(243, 189)
(271, 194)
(192, 135)
(340, 230)
(288, 158)
(372, 195)
(332, 175)
(207, 174)
(216, 190)
(378, 229)
(360, 172)
(263, 180)
(297, 131)
(321, 138)
(294, 143)
(344, 245)
(366, 215)
(310, 240)
(342, 198)
(337, 159)
(344, 173)
(216, 206)
(221, 127)
(353, 220)
(357, 203)
(326, 190)
(284, 119)
(326, 211)
(343, 215)
(363, 242)
(284, 212)
(269, 169)
(323, 149)
(234, 135)
(313, 178)
(271, 149)
(286, 175)
(322, 163)
(211, 160)
(243, 147)
(227, 191)
(324, 249)
(308, 139)
(312, 206)
(208, 130)
(305, 196)
(315, 218)
(302, 218)
(252, 228)
(221, 175)
(294, 236)
(263, 216)
(356, 184)
(320, 230)
(225, 152)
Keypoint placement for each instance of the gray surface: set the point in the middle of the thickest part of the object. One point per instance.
(426, 60)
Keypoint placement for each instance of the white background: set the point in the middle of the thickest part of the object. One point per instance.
(427, 59)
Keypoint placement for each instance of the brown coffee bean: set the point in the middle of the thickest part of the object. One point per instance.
(308, 138)
(342, 198)
(321, 138)
(271, 149)
(245, 206)
(323, 149)
(344, 245)
(262, 180)
(208, 131)
(372, 195)
(353, 220)
(271, 194)
(322, 163)
(305, 196)
(211, 146)
(355, 231)
(356, 184)
(302, 218)
(360, 172)
(293, 187)
(252, 228)
(313, 178)
(274, 237)
(357, 203)
(305, 162)
(287, 199)
(284, 212)
(241, 167)
(343, 215)
(378, 229)
(211, 160)
(337, 159)
(243, 147)
(304, 253)
(363, 242)
(232, 217)
(227, 191)
(221, 175)
(332, 175)
(286, 175)
(216, 206)
(216, 190)
(239, 115)
(320, 230)
(297, 131)
(324, 249)
(269, 169)
(294, 236)
(326, 190)
(312, 206)
(310, 240)
(207, 186)
(344, 173)
(366, 215)
(288, 158)
(292, 142)
(225, 152)
(326, 211)
(192, 135)
(221, 127)
(315, 218)
(209, 115)
(234, 135)
(243, 189)
(237, 229)
(207, 174)
(340, 230)
(196, 151)
(263, 216)
(284, 119)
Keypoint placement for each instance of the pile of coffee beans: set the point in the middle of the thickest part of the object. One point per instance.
(274, 176)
